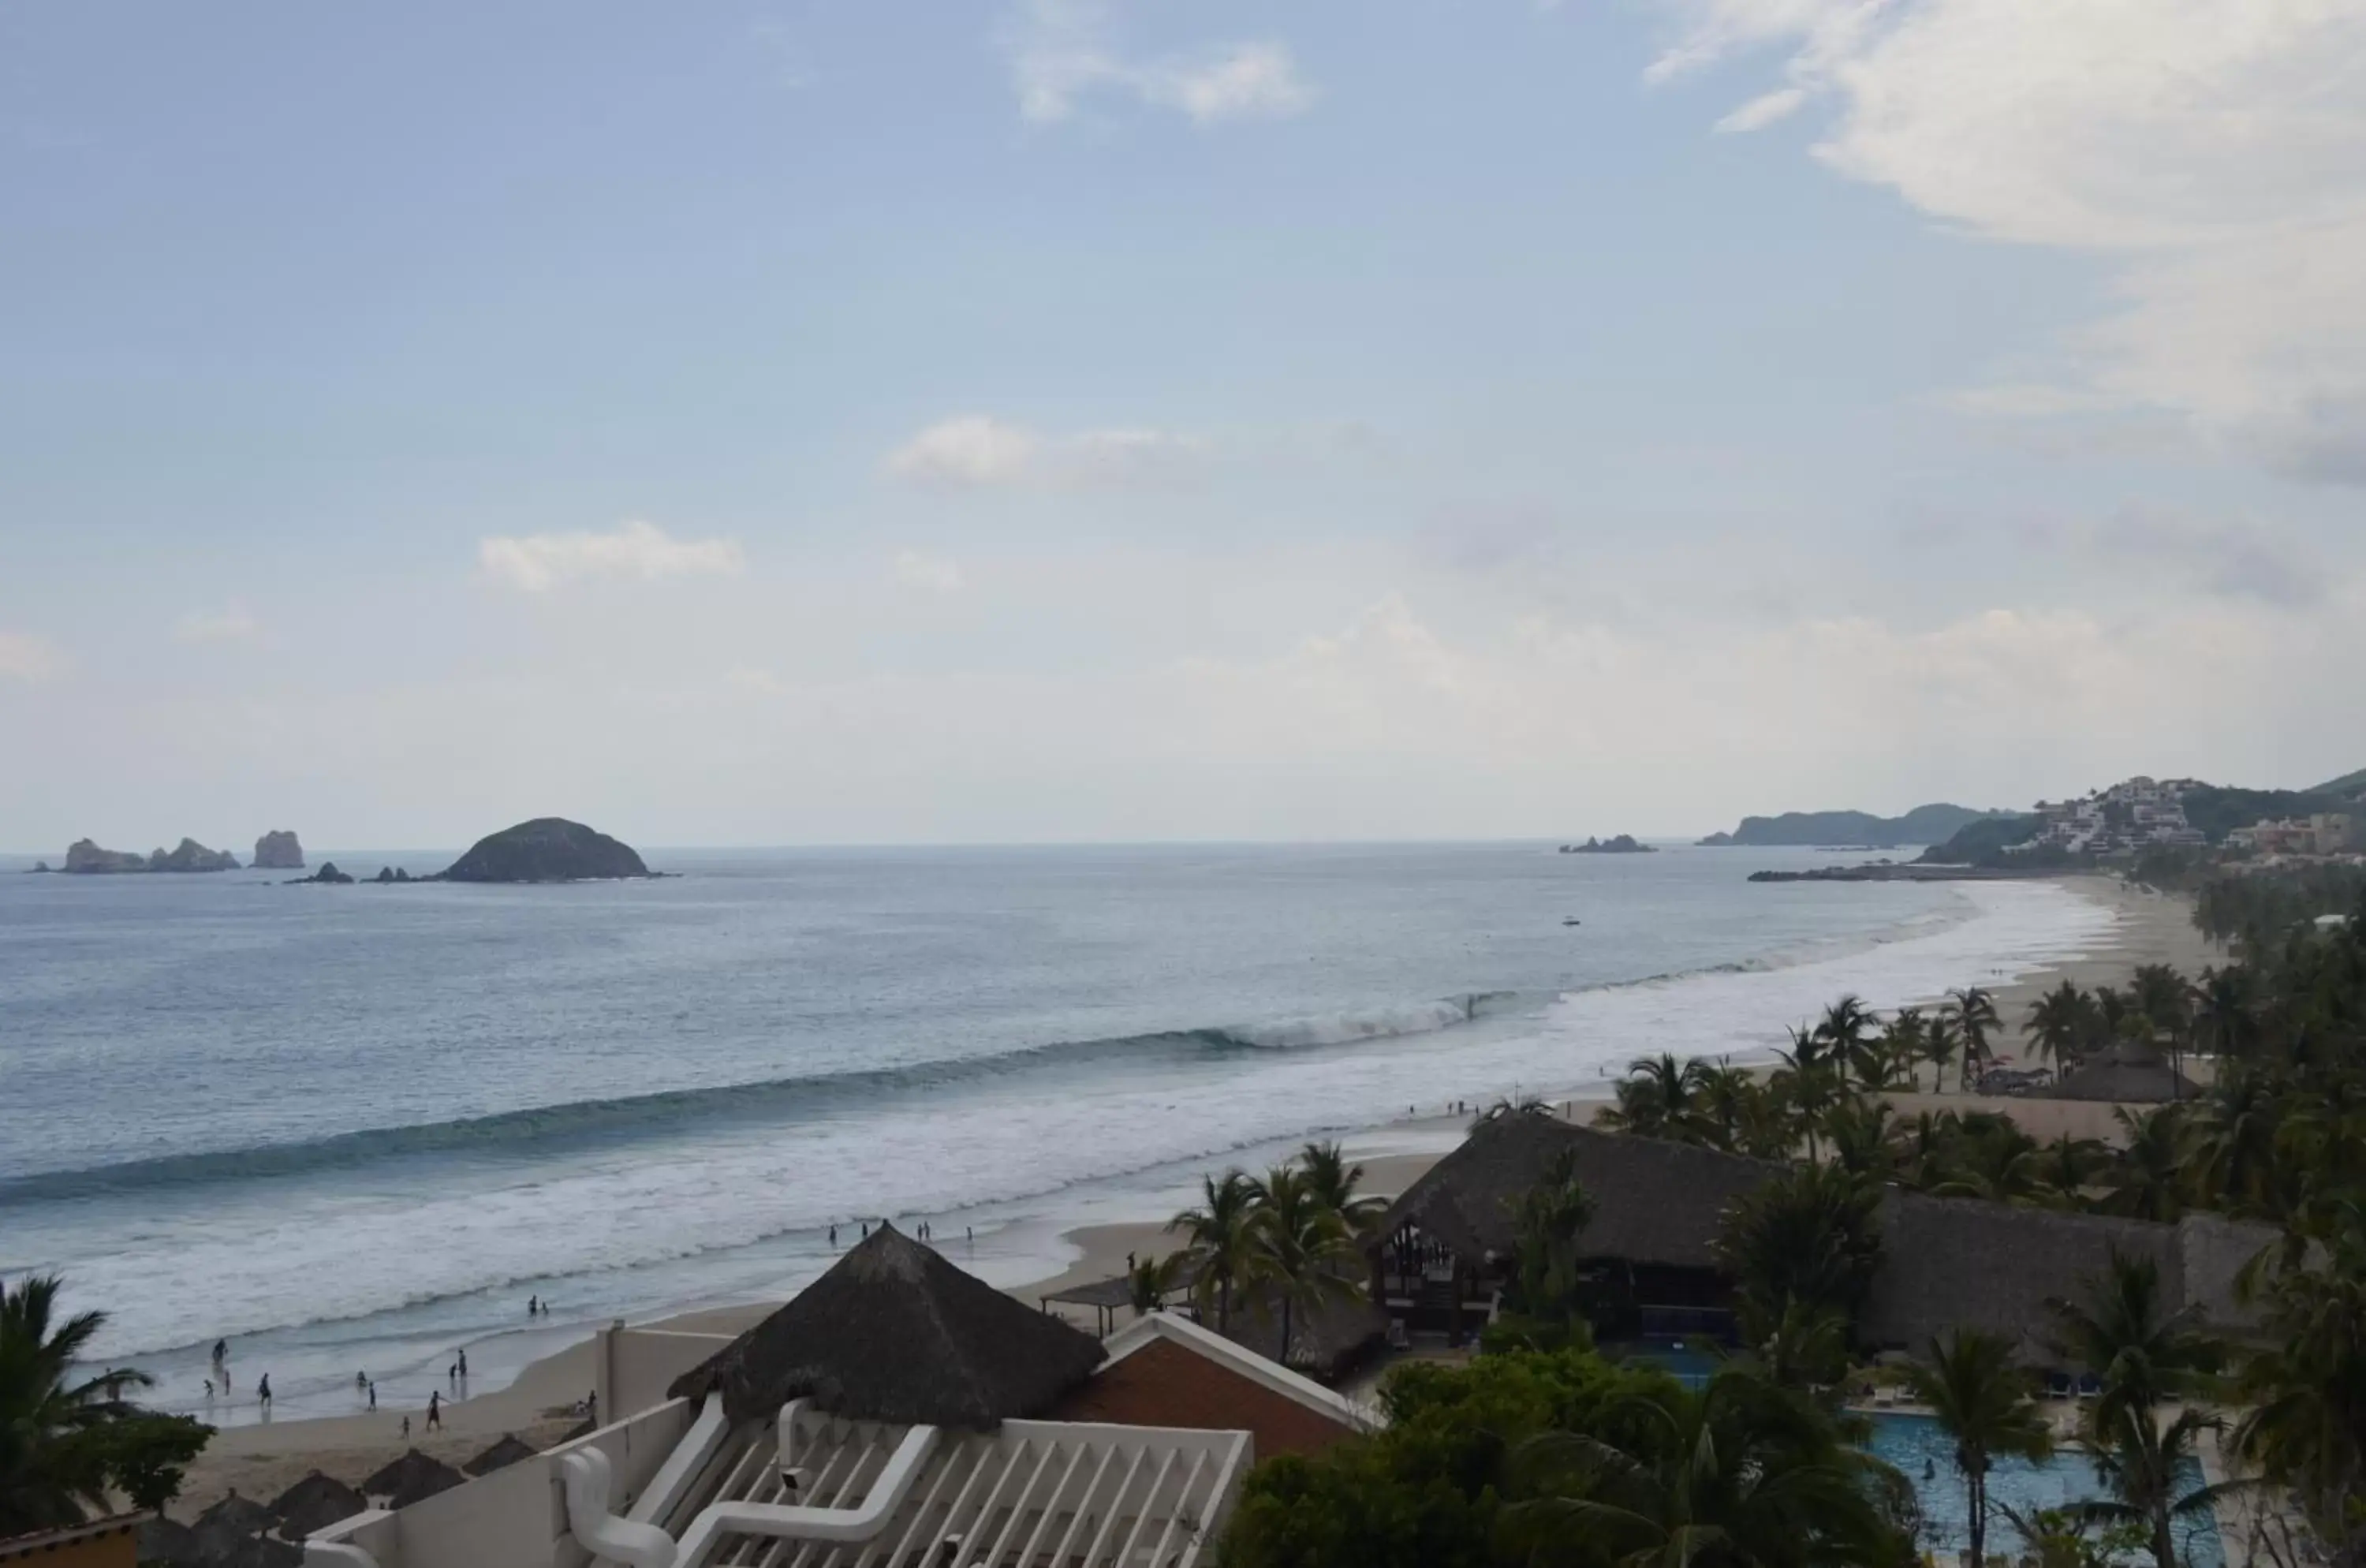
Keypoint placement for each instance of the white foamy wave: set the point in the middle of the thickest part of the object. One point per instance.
(1379, 1024)
(349, 1245)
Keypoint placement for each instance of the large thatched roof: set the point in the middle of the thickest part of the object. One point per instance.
(166, 1542)
(1656, 1201)
(1325, 1342)
(501, 1455)
(315, 1503)
(412, 1477)
(1970, 1263)
(2127, 1075)
(895, 1333)
(248, 1551)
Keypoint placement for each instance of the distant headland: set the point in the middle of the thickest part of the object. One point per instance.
(1624, 844)
(1933, 824)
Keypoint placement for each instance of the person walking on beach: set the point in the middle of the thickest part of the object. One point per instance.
(434, 1409)
(262, 1392)
(531, 1308)
(373, 1396)
(833, 1235)
(221, 1352)
(406, 1428)
(464, 1366)
(361, 1382)
(210, 1391)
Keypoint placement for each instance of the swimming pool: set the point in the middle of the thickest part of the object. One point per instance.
(1926, 1456)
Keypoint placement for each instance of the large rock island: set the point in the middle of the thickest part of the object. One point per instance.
(278, 850)
(548, 849)
(86, 858)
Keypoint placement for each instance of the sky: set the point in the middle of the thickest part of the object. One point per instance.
(1107, 420)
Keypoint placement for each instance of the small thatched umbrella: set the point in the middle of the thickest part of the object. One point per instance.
(315, 1503)
(895, 1333)
(251, 1552)
(409, 1479)
(235, 1515)
(501, 1455)
(166, 1542)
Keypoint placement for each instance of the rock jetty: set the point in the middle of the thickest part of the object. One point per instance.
(278, 850)
(548, 849)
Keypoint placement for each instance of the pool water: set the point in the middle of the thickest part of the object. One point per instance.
(1914, 1444)
(1691, 1362)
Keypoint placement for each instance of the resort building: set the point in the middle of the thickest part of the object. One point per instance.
(1446, 1247)
(2137, 814)
(898, 1411)
(101, 1543)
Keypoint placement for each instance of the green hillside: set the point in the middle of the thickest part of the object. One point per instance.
(1924, 825)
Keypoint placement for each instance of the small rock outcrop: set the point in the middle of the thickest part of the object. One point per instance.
(548, 849)
(328, 872)
(86, 857)
(192, 855)
(389, 874)
(40, 866)
(1624, 844)
(278, 850)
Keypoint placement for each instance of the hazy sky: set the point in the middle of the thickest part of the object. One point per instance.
(1073, 419)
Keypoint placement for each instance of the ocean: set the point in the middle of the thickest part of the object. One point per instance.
(354, 1128)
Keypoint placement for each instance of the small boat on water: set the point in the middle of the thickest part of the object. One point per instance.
(1571, 921)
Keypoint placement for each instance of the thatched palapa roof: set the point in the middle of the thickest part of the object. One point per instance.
(315, 1503)
(1968, 1262)
(1325, 1342)
(501, 1455)
(1657, 1201)
(2129, 1075)
(895, 1333)
(167, 1541)
(234, 1515)
(411, 1479)
(248, 1551)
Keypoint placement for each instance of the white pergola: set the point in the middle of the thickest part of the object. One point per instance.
(810, 1490)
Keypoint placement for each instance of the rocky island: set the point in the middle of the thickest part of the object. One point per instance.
(548, 849)
(328, 872)
(278, 850)
(85, 858)
(1624, 844)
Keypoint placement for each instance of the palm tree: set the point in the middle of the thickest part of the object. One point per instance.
(1551, 1216)
(1991, 1157)
(1726, 1097)
(1940, 1042)
(1334, 1181)
(1896, 1056)
(2226, 1017)
(1298, 1247)
(1975, 1014)
(1149, 1279)
(1981, 1401)
(2307, 1387)
(1220, 1238)
(51, 1464)
(2067, 1164)
(1659, 1097)
(2142, 1461)
(1739, 1473)
(1811, 1235)
(1813, 1079)
(2125, 1333)
(2059, 1024)
(2148, 1178)
(1861, 1131)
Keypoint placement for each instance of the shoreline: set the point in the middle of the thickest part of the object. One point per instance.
(259, 1459)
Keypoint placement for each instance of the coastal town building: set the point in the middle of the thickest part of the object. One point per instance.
(2322, 833)
(2134, 815)
(898, 1411)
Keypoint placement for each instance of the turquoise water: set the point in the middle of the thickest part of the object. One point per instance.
(1925, 1455)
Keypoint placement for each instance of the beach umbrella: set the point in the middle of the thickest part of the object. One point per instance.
(410, 1478)
(315, 1503)
(168, 1542)
(235, 1515)
(896, 1333)
(501, 1455)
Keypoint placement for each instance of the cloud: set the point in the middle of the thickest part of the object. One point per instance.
(925, 571)
(1063, 52)
(2228, 559)
(535, 563)
(979, 452)
(2214, 159)
(231, 623)
(29, 658)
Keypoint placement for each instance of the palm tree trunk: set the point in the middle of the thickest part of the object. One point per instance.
(2164, 1541)
(1977, 1494)
(1223, 1303)
(1285, 1325)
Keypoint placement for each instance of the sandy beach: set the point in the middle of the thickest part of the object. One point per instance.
(260, 1461)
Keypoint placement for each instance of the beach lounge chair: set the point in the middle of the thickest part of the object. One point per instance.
(2089, 1385)
(2058, 1385)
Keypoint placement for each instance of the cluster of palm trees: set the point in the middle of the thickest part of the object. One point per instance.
(1286, 1244)
(2146, 1361)
(69, 1444)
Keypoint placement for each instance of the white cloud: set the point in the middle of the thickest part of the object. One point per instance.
(1063, 52)
(31, 658)
(535, 563)
(926, 571)
(231, 623)
(2212, 154)
(979, 452)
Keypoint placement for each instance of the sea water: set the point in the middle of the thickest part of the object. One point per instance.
(354, 1128)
